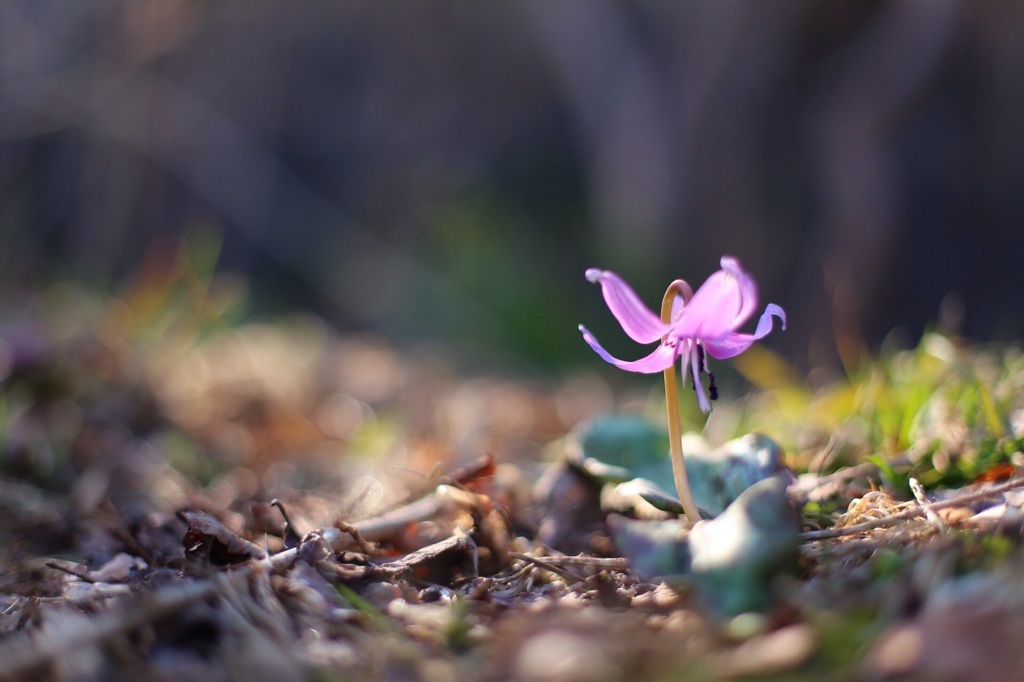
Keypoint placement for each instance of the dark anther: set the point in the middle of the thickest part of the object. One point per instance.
(703, 363)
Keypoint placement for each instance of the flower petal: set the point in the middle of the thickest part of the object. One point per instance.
(642, 325)
(662, 357)
(736, 343)
(724, 302)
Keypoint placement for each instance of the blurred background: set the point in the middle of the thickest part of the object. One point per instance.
(445, 172)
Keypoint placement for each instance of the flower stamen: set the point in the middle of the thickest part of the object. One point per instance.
(702, 360)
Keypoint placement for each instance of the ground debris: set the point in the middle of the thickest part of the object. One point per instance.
(209, 541)
(269, 502)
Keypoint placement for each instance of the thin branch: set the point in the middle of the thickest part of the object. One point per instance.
(29, 653)
(600, 563)
(428, 553)
(81, 575)
(568, 575)
(922, 500)
(914, 512)
(24, 654)
(390, 522)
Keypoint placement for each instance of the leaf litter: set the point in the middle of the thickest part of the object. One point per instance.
(268, 501)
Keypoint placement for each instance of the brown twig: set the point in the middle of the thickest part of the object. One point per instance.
(914, 512)
(922, 500)
(26, 654)
(428, 553)
(291, 536)
(81, 575)
(364, 546)
(22, 655)
(600, 563)
(14, 604)
(541, 563)
(387, 524)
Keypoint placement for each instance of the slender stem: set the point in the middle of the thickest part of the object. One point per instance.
(675, 435)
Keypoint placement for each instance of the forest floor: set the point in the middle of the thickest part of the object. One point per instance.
(184, 495)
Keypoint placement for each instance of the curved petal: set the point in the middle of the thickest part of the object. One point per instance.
(662, 357)
(748, 289)
(724, 302)
(678, 303)
(637, 320)
(736, 343)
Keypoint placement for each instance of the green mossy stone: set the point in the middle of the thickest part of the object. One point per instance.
(633, 453)
(731, 562)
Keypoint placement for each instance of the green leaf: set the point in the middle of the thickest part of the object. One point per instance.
(619, 447)
(630, 451)
(731, 562)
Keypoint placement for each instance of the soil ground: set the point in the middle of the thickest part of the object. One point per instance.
(183, 497)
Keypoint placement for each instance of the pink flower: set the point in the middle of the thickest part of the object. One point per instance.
(707, 320)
